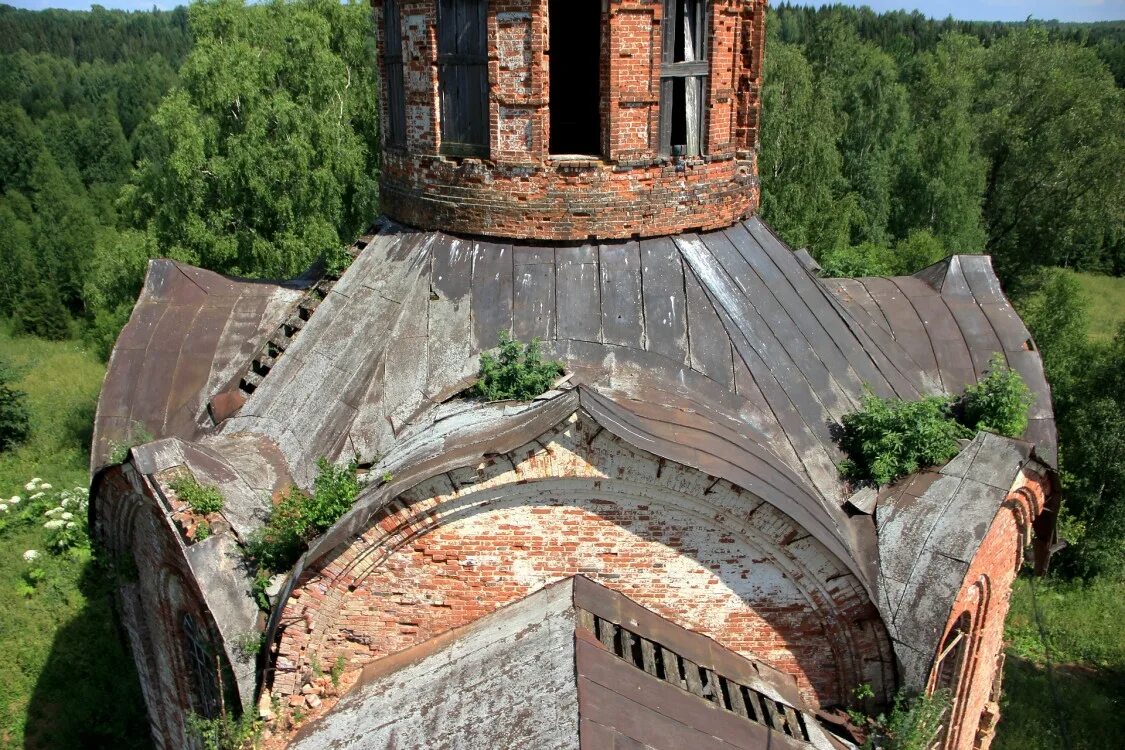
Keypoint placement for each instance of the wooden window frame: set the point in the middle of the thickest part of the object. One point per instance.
(473, 69)
(395, 131)
(698, 71)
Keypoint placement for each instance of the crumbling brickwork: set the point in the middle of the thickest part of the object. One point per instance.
(698, 550)
(985, 597)
(156, 591)
(629, 189)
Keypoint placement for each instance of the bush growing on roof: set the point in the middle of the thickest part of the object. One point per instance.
(891, 438)
(300, 517)
(519, 373)
(203, 500)
(999, 402)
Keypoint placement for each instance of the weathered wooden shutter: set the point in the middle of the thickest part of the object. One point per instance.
(463, 76)
(392, 56)
(683, 77)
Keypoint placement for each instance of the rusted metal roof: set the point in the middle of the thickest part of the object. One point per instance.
(930, 526)
(721, 351)
(189, 335)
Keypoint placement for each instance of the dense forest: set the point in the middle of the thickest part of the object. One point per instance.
(244, 138)
(891, 141)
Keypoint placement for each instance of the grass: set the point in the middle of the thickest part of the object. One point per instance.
(1065, 691)
(66, 679)
(1107, 303)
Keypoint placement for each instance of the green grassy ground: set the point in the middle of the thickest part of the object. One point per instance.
(1064, 691)
(65, 679)
(1107, 303)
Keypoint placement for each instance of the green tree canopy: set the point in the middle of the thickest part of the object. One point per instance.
(1052, 124)
(265, 157)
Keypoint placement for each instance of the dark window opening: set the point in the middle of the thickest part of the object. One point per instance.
(463, 76)
(950, 669)
(575, 76)
(201, 657)
(683, 77)
(392, 57)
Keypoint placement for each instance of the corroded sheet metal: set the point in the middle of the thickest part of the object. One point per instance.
(951, 318)
(506, 681)
(930, 526)
(531, 675)
(189, 335)
(719, 350)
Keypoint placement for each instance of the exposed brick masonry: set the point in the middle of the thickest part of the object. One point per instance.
(630, 189)
(985, 597)
(578, 501)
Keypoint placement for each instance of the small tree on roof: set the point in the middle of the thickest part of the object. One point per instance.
(519, 373)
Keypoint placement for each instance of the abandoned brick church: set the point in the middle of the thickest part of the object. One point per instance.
(657, 553)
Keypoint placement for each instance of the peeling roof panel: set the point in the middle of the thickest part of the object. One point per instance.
(189, 335)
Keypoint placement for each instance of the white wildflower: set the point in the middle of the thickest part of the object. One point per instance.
(44, 486)
(66, 516)
(56, 523)
(53, 512)
(32, 485)
(30, 555)
(37, 495)
(65, 503)
(70, 524)
(14, 500)
(3, 508)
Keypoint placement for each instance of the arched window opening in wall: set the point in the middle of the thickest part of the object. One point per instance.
(950, 669)
(683, 77)
(203, 664)
(575, 61)
(392, 58)
(463, 76)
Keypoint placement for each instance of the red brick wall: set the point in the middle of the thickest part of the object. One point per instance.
(155, 589)
(628, 190)
(700, 552)
(985, 595)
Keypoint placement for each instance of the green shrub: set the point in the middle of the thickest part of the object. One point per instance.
(338, 669)
(999, 402)
(890, 438)
(15, 419)
(299, 517)
(519, 373)
(337, 261)
(913, 723)
(224, 732)
(203, 500)
(137, 434)
(867, 259)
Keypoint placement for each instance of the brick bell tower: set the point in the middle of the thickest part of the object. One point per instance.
(570, 119)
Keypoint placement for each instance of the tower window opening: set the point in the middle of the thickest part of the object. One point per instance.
(575, 59)
(392, 57)
(683, 77)
(463, 76)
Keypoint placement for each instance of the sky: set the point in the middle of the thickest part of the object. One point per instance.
(969, 10)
